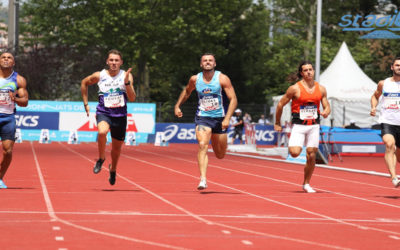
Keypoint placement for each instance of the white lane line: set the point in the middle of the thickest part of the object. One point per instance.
(201, 219)
(268, 199)
(394, 237)
(59, 238)
(54, 217)
(56, 228)
(226, 232)
(247, 242)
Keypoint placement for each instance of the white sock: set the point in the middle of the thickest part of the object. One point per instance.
(308, 188)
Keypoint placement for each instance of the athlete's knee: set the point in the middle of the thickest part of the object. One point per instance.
(390, 145)
(294, 152)
(7, 152)
(203, 145)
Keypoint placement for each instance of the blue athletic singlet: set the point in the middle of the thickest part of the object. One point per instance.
(212, 98)
(112, 94)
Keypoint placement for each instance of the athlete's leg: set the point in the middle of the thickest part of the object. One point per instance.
(103, 128)
(219, 144)
(390, 157)
(7, 156)
(296, 140)
(310, 164)
(115, 153)
(203, 135)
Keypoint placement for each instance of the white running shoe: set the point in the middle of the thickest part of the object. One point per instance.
(308, 189)
(202, 185)
(396, 182)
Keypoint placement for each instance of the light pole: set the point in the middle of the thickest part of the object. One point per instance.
(318, 41)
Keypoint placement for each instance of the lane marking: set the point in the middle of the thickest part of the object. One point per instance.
(201, 219)
(268, 199)
(53, 216)
(394, 237)
(247, 242)
(56, 228)
(59, 238)
(226, 231)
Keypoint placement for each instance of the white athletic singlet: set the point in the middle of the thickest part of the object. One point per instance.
(390, 103)
(7, 106)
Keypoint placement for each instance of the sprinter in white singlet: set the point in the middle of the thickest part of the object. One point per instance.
(387, 95)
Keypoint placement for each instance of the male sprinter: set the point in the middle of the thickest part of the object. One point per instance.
(306, 96)
(215, 92)
(12, 91)
(115, 88)
(389, 117)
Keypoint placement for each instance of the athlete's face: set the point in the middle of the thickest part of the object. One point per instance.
(207, 63)
(7, 61)
(114, 62)
(396, 68)
(307, 72)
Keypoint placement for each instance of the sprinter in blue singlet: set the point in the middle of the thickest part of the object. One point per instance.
(217, 102)
(115, 89)
(12, 91)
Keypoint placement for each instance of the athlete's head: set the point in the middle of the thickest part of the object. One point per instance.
(208, 62)
(395, 67)
(305, 70)
(7, 60)
(114, 60)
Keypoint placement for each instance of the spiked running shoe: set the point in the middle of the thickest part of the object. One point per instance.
(97, 167)
(202, 185)
(308, 189)
(2, 185)
(112, 176)
(396, 182)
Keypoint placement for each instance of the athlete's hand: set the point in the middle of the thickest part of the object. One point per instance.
(178, 112)
(127, 75)
(373, 112)
(87, 109)
(277, 127)
(225, 124)
(12, 95)
(324, 114)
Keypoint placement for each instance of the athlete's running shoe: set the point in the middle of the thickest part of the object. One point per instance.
(112, 176)
(97, 166)
(396, 182)
(2, 185)
(308, 189)
(202, 185)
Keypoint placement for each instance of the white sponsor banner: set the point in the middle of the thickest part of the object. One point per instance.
(358, 149)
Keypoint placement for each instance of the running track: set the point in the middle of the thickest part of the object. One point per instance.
(54, 201)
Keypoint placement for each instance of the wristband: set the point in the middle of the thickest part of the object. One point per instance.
(128, 83)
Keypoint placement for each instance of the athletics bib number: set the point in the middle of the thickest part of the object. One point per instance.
(5, 97)
(391, 101)
(209, 103)
(308, 112)
(114, 100)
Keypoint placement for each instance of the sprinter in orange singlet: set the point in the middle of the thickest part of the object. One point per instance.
(306, 96)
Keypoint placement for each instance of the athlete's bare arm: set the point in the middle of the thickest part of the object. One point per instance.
(130, 91)
(21, 96)
(375, 98)
(87, 81)
(185, 94)
(290, 94)
(325, 104)
(226, 84)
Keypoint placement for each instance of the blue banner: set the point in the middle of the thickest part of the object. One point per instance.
(37, 120)
(185, 133)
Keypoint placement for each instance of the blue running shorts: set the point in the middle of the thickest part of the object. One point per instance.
(214, 123)
(7, 127)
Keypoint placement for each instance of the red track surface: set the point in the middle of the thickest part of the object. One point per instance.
(54, 201)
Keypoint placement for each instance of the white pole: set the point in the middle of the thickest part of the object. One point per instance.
(318, 41)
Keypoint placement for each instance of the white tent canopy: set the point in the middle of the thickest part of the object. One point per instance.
(349, 92)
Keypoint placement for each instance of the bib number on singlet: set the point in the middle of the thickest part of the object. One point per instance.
(5, 97)
(114, 100)
(209, 103)
(391, 101)
(308, 112)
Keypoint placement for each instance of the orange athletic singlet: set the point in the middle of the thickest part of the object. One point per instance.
(305, 109)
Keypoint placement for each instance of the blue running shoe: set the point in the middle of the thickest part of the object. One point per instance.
(2, 185)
